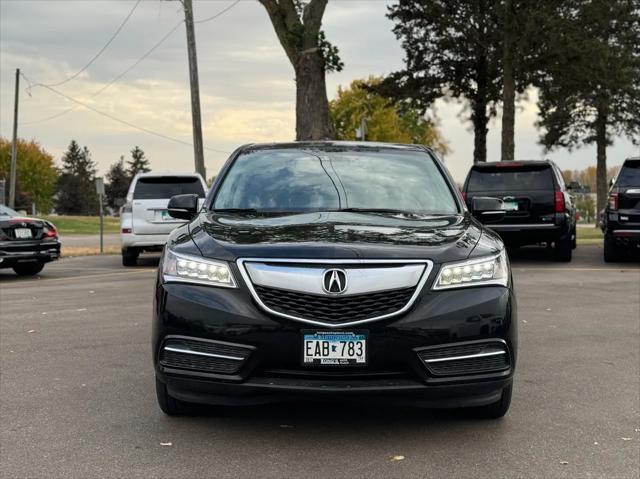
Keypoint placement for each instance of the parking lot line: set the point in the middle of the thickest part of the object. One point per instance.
(118, 273)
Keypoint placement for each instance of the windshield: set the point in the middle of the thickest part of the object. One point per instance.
(6, 211)
(297, 180)
(163, 187)
(511, 178)
(629, 174)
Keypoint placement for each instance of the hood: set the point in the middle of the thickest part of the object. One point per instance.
(336, 235)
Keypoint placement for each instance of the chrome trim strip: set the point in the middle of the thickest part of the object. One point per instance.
(200, 353)
(626, 231)
(310, 279)
(633, 191)
(466, 356)
(425, 276)
(522, 226)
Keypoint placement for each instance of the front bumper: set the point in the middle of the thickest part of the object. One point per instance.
(394, 371)
(14, 252)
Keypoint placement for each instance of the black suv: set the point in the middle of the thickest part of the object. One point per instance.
(621, 222)
(539, 208)
(334, 270)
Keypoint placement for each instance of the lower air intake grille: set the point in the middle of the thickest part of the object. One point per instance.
(468, 358)
(334, 309)
(204, 356)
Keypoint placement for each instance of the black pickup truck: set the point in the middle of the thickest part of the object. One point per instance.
(539, 206)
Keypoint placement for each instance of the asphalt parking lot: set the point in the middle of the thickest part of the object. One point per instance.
(77, 395)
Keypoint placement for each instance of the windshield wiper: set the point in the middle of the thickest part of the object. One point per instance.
(235, 210)
(376, 210)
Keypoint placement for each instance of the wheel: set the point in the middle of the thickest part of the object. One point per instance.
(130, 256)
(611, 251)
(28, 269)
(574, 238)
(563, 248)
(170, 405)
(494, 410)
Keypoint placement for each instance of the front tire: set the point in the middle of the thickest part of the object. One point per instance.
(28, 269)
(563, 249)
(170, 405)
(130, 256)
(497, 409)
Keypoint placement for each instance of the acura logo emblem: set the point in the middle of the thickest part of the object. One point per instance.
(334, 281)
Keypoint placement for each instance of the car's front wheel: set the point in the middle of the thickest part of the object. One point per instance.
(170, 405)
(497, 409)
(28, 269)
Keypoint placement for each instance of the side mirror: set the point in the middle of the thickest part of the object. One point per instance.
(183, 207)
(488, 210)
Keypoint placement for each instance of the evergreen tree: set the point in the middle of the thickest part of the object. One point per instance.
(117, 184)
(76, 193)
(452, 49)
(590, 87)
(138, 163)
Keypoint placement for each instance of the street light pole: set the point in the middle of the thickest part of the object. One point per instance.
(198, 149)
(14, 146)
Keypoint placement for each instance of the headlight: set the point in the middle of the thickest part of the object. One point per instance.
(476, 272)
(182, 268)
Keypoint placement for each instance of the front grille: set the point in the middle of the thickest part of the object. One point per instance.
(469, 358)
(334, 309)
(204, 356)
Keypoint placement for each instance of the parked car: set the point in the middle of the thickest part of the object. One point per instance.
(26, 244)
(621, 220)
(334, 270)
(145, 222)
(539, 208)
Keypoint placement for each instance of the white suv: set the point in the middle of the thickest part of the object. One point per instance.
(145, 223)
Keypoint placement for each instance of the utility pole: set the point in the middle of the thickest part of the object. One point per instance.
(14, 146)
(198, 150)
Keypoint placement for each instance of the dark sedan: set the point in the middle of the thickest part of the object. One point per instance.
(26, 244)
(348, 271)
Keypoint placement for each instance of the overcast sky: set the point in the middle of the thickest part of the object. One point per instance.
(247, 84)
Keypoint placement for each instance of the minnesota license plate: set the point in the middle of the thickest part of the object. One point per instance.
(22, 233)
(340, 348)
(511, 205)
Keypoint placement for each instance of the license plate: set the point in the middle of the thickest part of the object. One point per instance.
(511, 205)
(339, 348)
(22, 233)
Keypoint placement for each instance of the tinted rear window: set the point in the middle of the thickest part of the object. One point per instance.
(301, 180)
(164, 187)
(629, 174)
(511, 178)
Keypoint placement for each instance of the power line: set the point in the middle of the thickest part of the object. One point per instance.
(127, 70)
(124, 122)
(97, 55)
(108, 85)
(221, 12)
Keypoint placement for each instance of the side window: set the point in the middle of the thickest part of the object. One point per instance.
(559, 178)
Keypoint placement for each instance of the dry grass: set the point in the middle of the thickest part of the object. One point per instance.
(68, 251)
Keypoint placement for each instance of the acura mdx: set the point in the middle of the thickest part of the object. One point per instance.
(334, 270)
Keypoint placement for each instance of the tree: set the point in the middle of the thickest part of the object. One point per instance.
(138, 163)
(590, 90)
(36, 174)
(118, 181)
(76, 189)
(386, 120)
(297, 25)
(451, 50)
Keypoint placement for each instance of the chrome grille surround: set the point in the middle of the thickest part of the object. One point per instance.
(343, 263)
